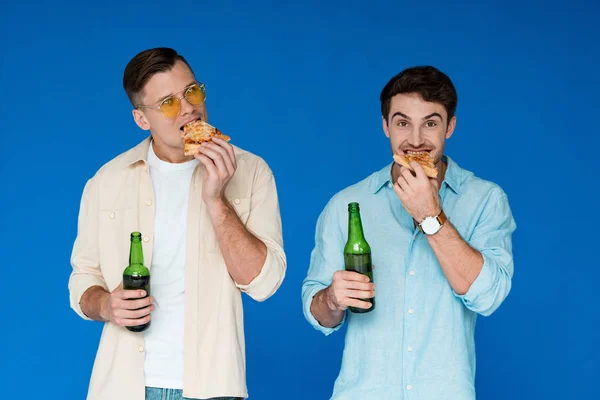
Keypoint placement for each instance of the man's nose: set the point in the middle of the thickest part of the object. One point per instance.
(186, 107)
(416, 138)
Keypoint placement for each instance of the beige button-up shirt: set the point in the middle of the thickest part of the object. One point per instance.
(118, 200)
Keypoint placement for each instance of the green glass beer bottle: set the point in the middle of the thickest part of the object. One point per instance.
(136, 275)
(357, 252)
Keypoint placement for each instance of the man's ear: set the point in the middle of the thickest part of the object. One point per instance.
(140, 119)
(385, 127)
(451, 126)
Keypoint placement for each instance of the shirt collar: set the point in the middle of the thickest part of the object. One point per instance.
(138, 154)
(454, 177)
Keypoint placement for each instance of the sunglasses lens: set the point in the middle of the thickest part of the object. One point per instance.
(195, 95)
(170, 107)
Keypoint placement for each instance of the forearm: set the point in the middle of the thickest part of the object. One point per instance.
(323, 311)
(244, 253)
(93, 303)
(460, 263)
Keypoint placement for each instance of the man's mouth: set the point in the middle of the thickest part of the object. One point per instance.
(416, 152)
(188, 122)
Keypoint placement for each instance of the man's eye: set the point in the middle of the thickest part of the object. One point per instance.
(402, 124)
(430, 124)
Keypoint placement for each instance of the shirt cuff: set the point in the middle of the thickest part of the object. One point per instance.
(312, 320)
(267, 281)
(482, 284)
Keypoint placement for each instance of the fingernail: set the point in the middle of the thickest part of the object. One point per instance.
(142, 293)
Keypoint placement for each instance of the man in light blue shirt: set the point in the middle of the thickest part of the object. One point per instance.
(442, 249)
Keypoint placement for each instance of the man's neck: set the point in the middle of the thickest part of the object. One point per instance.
(169, 154)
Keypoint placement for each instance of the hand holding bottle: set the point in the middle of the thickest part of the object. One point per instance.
(128, 307)
(347, 288)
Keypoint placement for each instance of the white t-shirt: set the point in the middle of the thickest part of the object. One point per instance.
(163, 365)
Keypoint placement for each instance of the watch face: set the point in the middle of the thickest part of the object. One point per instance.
(430, 225)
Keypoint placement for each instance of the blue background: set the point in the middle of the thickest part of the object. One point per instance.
(299, 85)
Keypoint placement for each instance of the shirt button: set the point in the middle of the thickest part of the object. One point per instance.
(141, 349)
(412, 273)
(148, 202)
(112, 215)
(409, 387)
(390, 184)
(410, 311)
(236, 201)
(409, 349)
(146, 239)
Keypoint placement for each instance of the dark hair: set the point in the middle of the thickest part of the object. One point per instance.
(429, 82)
(143, 66)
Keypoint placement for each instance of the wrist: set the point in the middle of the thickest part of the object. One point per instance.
(329, 300)
(104, 301)
(217, 206)
(433, 212)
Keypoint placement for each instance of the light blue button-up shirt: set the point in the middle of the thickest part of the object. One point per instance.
(418, 343)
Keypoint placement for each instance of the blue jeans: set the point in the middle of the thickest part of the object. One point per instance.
(153, 393)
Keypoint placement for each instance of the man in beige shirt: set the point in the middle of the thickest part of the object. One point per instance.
(211, 229)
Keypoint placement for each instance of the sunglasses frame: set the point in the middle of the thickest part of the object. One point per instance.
(178, 98)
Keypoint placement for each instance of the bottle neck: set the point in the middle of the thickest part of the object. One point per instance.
(136, 254)
(355, 230)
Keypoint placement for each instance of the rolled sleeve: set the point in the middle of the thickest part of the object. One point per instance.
(264, 222)
(308, 292)
(84, 257)
(326, 258)
(268, 280)
(493, 239)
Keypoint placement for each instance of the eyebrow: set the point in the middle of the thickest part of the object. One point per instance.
(401, 115)
(433, 115)
(172, 94)
(398, 113)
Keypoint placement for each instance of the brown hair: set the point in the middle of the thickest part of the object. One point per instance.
(429, 82)
(143, 66)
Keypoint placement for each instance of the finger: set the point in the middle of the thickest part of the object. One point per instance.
(419, 171)
(208, 164)
(402, 183)
(353, 276)
(359, 294)
(225, 156)
(134, 314)
(355, 285)
(404, 170)
(409, 176)
(209, 150)
(229, 148)
(359, 303)
(400, 192)
(130, 293)
(133, 322)
(136, 304)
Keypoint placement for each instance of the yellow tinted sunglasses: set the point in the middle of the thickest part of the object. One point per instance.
(171, 106)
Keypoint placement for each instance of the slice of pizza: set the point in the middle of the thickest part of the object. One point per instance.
(424, 159)
(197, 132)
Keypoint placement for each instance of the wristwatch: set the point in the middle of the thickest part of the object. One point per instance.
(431, 225)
